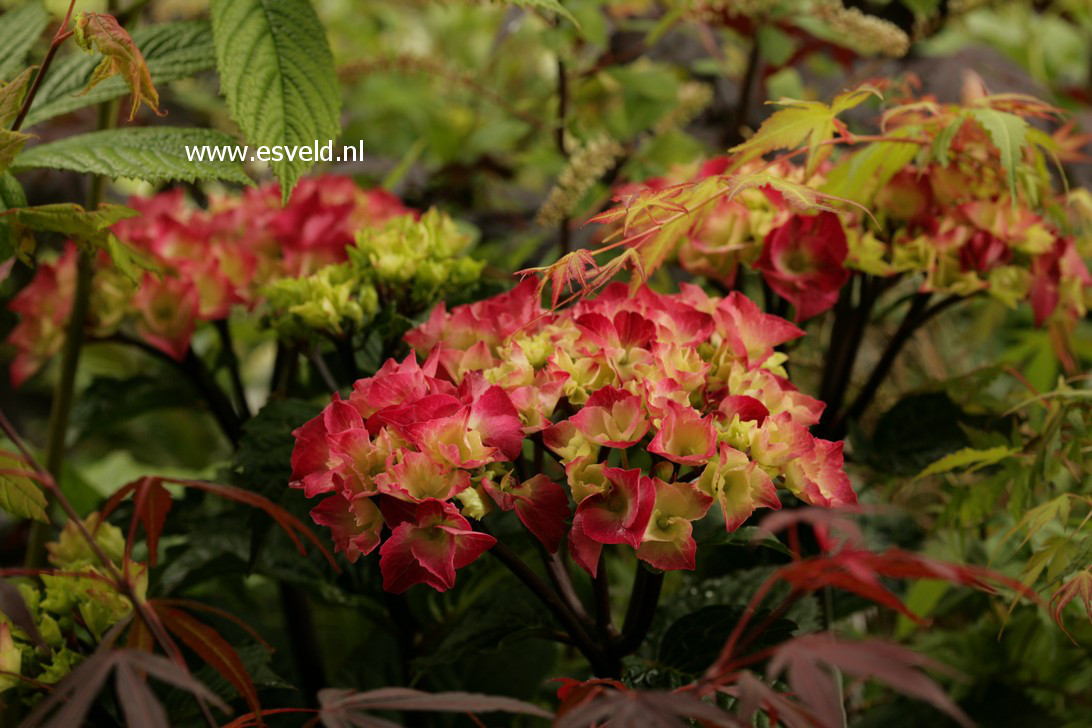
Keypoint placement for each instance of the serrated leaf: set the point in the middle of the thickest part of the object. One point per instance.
(968, 459)
(171, 50)
(11, 143)
(278, 75)
(800, 123)
(152, 154)
(19, 495)
(1008, 133)
(19, 29)
(12, 95)
(70, 219)
(860, 176)
(943, 142)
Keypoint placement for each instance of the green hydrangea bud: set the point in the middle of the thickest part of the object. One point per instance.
(416, 261)
(71, 550)
(333, 299)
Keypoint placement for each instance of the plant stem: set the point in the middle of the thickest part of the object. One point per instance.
(218, 402)
(59, 37)
(746, 91)
(563, 232)
(563, 585)
(65, 386)
(845, 341)
(915, 318)
(642, 608)
(601, 587)
(600, 662)
(223, 328)
(300, 626)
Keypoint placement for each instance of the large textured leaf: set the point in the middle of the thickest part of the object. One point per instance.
(152, 154)
(171, 50)
(19, 495)
(1008, 133)
(19, 28)
(277, 73)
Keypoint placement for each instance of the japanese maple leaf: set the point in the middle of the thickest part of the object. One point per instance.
(121, 57)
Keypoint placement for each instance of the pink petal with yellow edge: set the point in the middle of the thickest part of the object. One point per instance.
(619, 514)
(428, 547)
(496, 418)
(748, 409)
(744, 487)
(355, 525)
(543, 507)
(669, 555)
(752, 333)
(417, 477)
(685, 437)
(818, 477)
(612, 417)
(780, 440)
(584, 550)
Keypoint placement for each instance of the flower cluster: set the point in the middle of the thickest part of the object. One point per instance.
(407, 263)
(957, 229)
(205, 262)
(651, 408)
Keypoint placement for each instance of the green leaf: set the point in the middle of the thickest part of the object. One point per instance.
(1008, 133)
(19, 29)
(860, 176)
(800, 123)
(968, 459)
(70, 219)
(277, 73)
(943, 143)
(11, 143)
(550, 6)
(152, 154)
(12, 95)
(11, 196)
(171, 50)
(19, 495)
